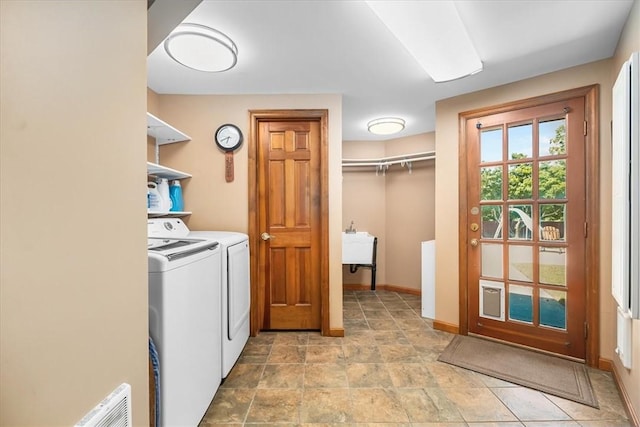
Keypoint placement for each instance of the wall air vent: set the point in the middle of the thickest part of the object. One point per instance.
(113, 411)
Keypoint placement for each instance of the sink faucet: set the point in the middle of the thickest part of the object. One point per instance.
(350, 229)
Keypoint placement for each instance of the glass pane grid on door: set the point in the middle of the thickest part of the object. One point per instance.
(523, 208)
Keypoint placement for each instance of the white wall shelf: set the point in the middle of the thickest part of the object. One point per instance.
(160, 171)
(170, 214)
(163, 132)
(383, 163)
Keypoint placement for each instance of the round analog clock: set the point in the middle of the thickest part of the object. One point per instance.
(228, 137)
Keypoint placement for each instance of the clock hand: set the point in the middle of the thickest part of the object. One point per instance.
(227, 139)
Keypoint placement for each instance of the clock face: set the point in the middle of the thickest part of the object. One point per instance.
(228, 137)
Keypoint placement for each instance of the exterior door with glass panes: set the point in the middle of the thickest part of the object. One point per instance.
(527, 227)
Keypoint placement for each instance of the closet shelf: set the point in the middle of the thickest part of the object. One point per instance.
(384, 162)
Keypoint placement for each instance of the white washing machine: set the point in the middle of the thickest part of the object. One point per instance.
(184, 323)
(235, 283)
(236, 292)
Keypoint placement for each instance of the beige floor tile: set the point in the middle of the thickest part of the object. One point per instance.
(427, 405)
(255, 353)
(353, 314)
(275, 406)
(325, 375)
(410, 375)
(384, 373)
(375, 405)
(287, 354)
(399, 354)
(529, 405)
(325, 406)
(479, 405)
(355, 324)
(360, 337)
(291, 338)
(229, 406)
(551, 424)
(317, 339)
(286, 375)
(243, 376)
(404, 314)
(390, 337)
(325, 354)
(377, 314)
(362, 354)
(580, 412)
(448, 376)
(382, 324)
(368, 375)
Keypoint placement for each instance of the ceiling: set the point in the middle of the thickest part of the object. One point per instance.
(342, 47)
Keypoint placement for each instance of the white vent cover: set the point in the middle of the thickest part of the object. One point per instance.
(113, 411)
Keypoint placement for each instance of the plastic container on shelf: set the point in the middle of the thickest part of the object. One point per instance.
(154, 200)
(163, 189)
(175, 193)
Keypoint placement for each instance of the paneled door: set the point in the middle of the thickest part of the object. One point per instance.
(289, 223)
(527, 226)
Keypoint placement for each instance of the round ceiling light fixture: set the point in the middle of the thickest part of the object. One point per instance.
(386, 125)
(201, 48)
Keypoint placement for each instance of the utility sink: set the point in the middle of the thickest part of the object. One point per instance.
(357, 248)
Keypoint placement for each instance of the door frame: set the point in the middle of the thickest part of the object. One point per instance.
(257, 292)
(592, 183)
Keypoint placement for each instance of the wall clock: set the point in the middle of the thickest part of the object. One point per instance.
(229, 138)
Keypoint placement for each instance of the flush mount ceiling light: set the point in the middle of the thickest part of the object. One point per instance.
(434, 34)
(201, 48)
(385, 125)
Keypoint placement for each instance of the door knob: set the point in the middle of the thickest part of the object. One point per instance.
(474, 242)
(266, 236)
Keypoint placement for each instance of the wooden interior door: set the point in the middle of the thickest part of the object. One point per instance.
(527, 226)
(289, 223)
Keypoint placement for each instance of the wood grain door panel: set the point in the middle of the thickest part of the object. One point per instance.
(289, 212)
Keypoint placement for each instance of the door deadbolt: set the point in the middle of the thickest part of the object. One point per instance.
(474, 226)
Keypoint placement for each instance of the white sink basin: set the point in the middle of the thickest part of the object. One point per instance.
(357, 248)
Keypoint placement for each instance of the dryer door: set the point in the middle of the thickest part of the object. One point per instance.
(238, 287)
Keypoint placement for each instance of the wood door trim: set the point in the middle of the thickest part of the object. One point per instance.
(592, 246)
(257, 116)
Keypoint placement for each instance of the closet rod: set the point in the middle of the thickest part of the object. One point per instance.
(388, 161)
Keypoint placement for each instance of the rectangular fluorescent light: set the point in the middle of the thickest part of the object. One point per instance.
(434, 34)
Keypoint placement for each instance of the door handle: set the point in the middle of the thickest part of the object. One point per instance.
(266, 236)
(474, 242)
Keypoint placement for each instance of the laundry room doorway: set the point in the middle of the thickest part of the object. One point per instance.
(288, 220)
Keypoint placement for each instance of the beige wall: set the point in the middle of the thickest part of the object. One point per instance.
(629, 42)
(602, 73)
(218, 205)
(73, 304)
(397, 207)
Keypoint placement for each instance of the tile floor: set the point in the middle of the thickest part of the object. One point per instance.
(384, 372)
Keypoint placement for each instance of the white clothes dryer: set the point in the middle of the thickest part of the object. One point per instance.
(236, 292)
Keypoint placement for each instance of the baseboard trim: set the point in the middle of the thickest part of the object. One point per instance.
(446, 327)
(608, 365)
(392, 288)
(336, 332)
